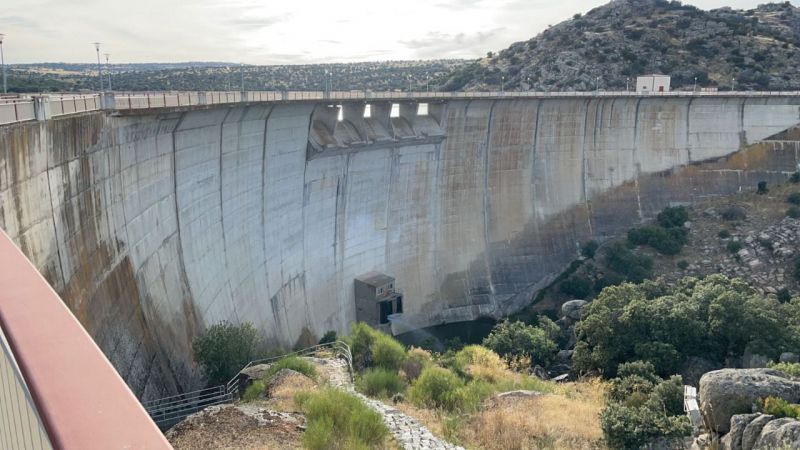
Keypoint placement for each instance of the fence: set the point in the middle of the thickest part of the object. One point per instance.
(29, 107)
(168, 411)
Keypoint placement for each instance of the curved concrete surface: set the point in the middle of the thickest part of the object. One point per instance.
(154, 226)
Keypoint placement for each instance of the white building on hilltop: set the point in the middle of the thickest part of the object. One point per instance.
(652, 83)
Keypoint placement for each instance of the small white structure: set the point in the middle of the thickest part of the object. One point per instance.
(652, 83)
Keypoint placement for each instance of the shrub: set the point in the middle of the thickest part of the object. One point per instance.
(576, 286)
(295, 363)
(794, 198)
(766, 243)
(734, 213)
(793, 212)
(683, 264)
(784, 295)
(734, 246)
(328, 337)
(762, 188)
(436, 387)
(387, 352)
(480, 363)
(672, 217)
(224, 349)
(627, 264)
(779, 407)
(371, 347)
(795, 178)
(667, 241)
(627, 427)
(416, 360)
(724, 234)
(378, 382)
(512, 339)
(336, 419)
(550, 328)
(589, 249)
(254, 391)
(791, 369)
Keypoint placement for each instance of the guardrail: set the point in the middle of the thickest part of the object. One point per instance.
(42, 107)
(57, 389)
(168, 411)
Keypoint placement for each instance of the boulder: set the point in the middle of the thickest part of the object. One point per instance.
(288, 380)
(770, 438)
(753, 430)
(789, 357)
(727, 392)
(733, 440)
(253, 373)
(785, 434)
(572, 309)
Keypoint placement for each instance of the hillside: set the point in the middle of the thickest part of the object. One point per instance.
(617, 41)
(376, 76)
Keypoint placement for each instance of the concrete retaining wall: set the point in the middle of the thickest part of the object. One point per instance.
(153, 227)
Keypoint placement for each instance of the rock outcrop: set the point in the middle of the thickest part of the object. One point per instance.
(727, 392)
(761, 432)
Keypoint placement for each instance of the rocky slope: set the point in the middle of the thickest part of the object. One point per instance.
(613, 43)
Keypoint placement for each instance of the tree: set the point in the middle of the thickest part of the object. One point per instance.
(225, 349)
(513, 339)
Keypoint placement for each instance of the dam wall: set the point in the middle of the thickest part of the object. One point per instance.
(155, 225)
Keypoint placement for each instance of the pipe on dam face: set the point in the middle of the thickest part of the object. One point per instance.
(152, 227)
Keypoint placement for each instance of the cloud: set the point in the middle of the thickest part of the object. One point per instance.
(442, 45)
(251, 23)
(18, 21)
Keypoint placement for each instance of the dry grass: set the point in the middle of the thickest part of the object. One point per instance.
(557, 421)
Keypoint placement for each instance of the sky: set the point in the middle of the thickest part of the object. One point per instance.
(279, 31)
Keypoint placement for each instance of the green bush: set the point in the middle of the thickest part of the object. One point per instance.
(794, 198)
(643, 407)
(667, 241)
(295, 363)
(724, 234)
(254, 391)
(791, 369)
(627, 264)
(762, 188)
(224, 349)
(371, 347)
(387, 352)
(796, 270)
(514, 339)
(783, 295)
(576, 286)
(779, 408)
(734, 213)
(338, 420)
(795, 178)
(328, 337)
(793, 212)
(589, 249)
(672, 217)
(734, 246)
(379, 382)
(436, 387)
(715, 318)
(683, 264)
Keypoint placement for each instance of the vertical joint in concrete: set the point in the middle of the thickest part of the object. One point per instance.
(41, 108)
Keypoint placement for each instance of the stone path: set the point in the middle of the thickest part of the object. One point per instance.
(411, 434)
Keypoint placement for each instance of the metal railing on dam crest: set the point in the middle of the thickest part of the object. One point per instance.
(27, 107)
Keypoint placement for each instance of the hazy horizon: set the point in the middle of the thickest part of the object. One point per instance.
(299, 32)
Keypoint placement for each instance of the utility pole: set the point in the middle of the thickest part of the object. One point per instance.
(3, 64)
(99, 67)
(108, 69)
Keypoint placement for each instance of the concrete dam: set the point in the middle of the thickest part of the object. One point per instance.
(154, 224)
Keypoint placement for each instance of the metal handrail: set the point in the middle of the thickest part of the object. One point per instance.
(167, 410)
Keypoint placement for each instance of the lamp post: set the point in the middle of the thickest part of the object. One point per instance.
(241, 72)
(733, 84)
(502, 84)
(695, 84)
(427, 82)
(597, 84)
(627, 84)
(108, 69)
(408, 76)
(3, 64)
(99, 68)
